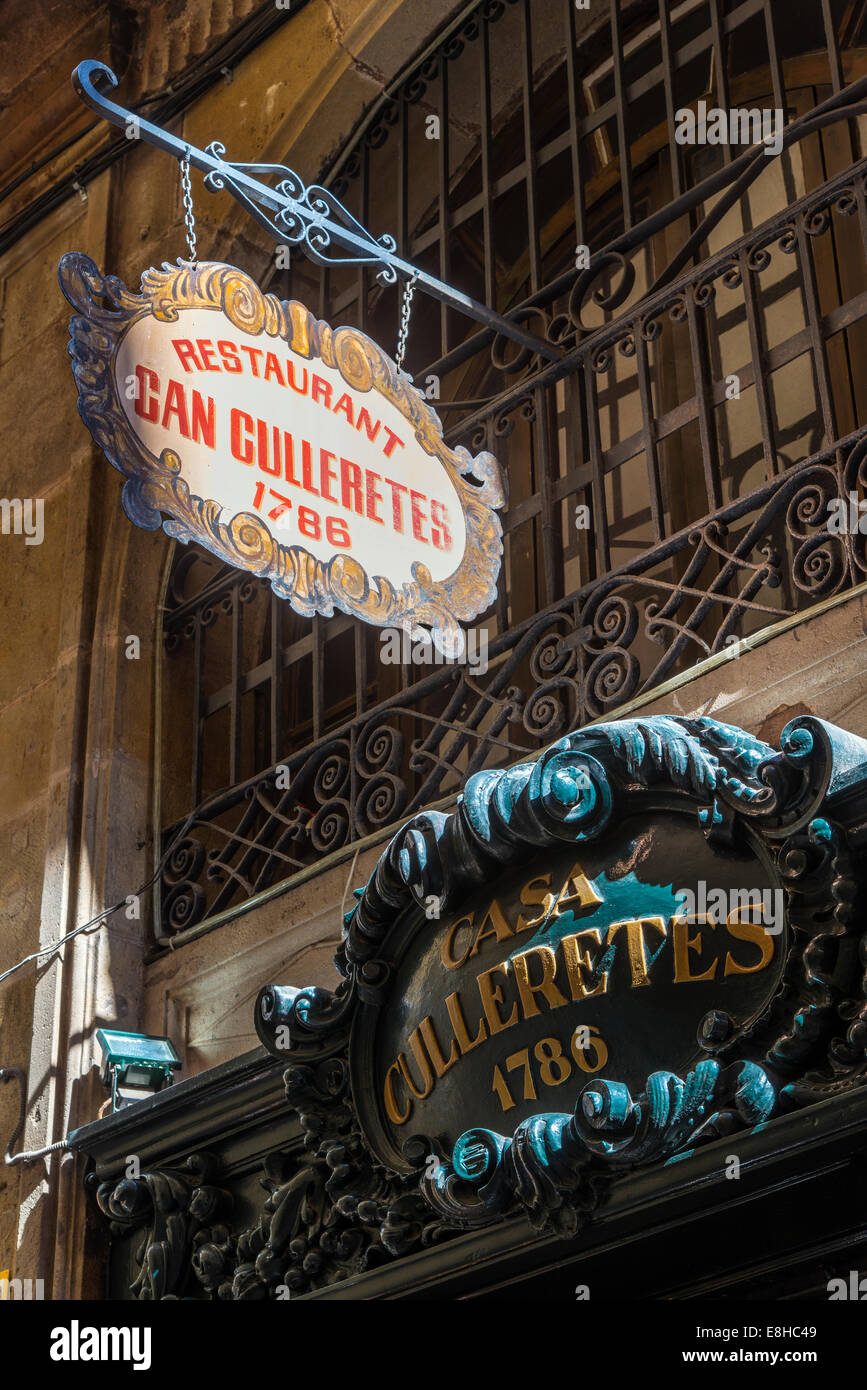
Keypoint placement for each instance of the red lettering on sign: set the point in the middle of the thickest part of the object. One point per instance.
(204, 425)
(365, 420)
(206, 348)
(289, 450)
(321, 388)
(397, 504)
(373, 496)
(272, 368)
(337, 532)
(388, 449)
(418, 516)
(149, 408)
(229, 353)
(252, 353)
(284, 504)
(307, 467)
(176, 404)
(301, 381)
(327, 475)
(185, 350)
(440, 533)
(350, 483)
(265, 462)
(341, 409)
(308, 523)
(256, 442)
(290, 373)
(242, 449)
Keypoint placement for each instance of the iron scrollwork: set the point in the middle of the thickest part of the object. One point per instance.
(576, 661)
(304, 216)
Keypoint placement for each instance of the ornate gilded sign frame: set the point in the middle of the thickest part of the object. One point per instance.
(155, 486)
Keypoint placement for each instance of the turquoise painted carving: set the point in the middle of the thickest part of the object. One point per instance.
(799, 803)
(544, 1161)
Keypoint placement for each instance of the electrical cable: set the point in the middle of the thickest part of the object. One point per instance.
(38, 164)
(348, 881)
(13, 1073)
(16, 1073)
(199, 77)
(26, 1155)
(46, 159)
(100, 917)
(175, 98)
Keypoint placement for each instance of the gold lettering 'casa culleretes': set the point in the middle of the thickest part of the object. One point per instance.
(509, 991)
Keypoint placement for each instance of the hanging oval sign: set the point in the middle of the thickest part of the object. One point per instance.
(286, 448)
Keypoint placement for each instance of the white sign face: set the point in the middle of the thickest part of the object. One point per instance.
(326, 467)
(290, 450)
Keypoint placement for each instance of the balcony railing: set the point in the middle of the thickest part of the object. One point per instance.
(729, 526)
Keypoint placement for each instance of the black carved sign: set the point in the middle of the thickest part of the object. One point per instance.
(675, 887)
(607, 959)
(691, 897)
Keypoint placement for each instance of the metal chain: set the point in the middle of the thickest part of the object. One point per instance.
(189, 218)
(408, 292)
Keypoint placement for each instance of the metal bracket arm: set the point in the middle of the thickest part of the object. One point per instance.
(294, 213)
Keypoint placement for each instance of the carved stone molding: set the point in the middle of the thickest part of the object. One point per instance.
(165, 1208)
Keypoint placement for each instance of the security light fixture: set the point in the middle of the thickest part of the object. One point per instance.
(134, 1065)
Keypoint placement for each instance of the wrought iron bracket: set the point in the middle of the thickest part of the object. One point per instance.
(295, 213)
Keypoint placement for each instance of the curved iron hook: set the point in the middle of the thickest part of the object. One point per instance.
(345, 232)
(84, 80)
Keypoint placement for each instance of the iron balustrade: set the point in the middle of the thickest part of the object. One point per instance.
(701, 528)
(581, 661)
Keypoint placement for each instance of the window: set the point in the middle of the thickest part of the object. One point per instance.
(697, 383)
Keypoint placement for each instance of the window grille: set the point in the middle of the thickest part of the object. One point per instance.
(709, 402)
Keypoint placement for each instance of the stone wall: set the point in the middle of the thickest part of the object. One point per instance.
(76, 717)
